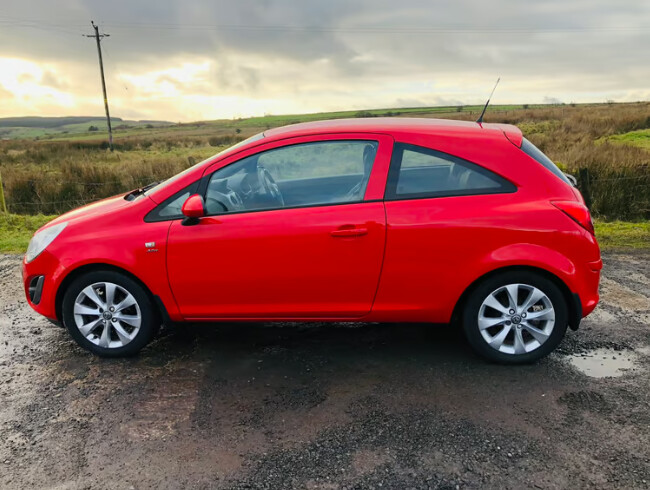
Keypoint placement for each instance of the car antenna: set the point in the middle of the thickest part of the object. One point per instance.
(480, 118)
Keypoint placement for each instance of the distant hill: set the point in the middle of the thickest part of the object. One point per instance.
(47, 127)
(50, 122)
(54, 122)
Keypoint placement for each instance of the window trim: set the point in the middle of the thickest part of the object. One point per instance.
(203, 187)
(540, 157)
(390, 193)
(154, 216)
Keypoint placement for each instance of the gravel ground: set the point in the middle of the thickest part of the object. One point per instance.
(327, 406)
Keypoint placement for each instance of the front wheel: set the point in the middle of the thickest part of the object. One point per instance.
(515, 317)
(109, 314)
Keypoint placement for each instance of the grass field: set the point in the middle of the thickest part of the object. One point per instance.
(49, 128)
(640, 138)
(79, 131)
(605, 144)
(16, 231)
(622, 235)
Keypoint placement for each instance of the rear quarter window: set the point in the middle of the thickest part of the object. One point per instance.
(417, 172)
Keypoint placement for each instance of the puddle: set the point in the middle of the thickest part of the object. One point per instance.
(605, 363)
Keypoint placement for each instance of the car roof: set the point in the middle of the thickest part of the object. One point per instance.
(396, 125)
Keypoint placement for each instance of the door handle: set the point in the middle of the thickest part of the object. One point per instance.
(349, 231)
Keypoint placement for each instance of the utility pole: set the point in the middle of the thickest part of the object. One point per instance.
(98, 37)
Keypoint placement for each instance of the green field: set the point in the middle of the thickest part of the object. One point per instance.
(640, 138)
(79, 131)
(50, 128)
(62, 170)
(16, 231)
(606, 145)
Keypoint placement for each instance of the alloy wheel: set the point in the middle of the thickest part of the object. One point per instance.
(107, 315)
(516, 319)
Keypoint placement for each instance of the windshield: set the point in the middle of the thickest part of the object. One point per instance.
(231, 149)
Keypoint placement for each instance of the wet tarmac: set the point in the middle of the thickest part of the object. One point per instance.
(328, 406)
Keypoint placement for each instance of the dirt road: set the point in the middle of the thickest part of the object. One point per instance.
(328, 406)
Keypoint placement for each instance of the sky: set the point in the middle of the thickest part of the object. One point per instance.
(196, 60)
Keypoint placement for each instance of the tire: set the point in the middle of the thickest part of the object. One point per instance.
(498, 335)
(86, 314)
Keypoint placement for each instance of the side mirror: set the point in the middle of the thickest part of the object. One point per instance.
(193, 207)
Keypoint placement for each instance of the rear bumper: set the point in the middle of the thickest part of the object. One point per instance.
(590, 298)
(585, 300)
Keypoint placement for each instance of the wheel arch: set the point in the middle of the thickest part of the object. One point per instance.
(159, 307)
(572, 301)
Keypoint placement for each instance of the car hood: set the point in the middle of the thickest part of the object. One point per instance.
(91, 211)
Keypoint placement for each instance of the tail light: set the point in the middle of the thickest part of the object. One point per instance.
(578, 212)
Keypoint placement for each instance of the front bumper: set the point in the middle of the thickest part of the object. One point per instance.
(41, 280)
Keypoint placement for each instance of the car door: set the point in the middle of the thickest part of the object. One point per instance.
(317, 254)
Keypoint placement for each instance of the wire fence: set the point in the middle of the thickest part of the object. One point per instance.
(591, 186)
(78, 193)
(110, 182)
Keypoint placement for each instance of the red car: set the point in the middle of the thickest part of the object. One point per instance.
(371, 220)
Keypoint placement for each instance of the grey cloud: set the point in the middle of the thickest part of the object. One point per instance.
(230, 77)
(577, 47)
(51, 80)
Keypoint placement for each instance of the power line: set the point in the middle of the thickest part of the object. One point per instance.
(342, 29)
(371, 30)
(41, 27)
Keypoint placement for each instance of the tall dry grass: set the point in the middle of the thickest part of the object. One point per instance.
(576, 138)
(52, 177)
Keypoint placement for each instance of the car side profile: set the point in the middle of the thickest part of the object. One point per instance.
(368, 220)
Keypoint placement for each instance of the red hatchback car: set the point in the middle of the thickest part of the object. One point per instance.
(377, 220)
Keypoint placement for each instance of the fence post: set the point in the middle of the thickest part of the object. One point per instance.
(3, 203)
(585, 186)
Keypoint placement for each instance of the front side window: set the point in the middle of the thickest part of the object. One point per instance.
(418, 172)
(172, 180)
(307, 174)
(172, 206)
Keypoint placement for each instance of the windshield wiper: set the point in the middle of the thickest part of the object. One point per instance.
(141, 190)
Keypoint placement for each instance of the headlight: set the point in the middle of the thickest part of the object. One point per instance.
(42, 239)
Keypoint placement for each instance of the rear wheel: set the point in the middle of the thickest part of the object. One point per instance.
(109, 314)
(515, 317)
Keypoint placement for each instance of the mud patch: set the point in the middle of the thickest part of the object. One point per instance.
(605, 363)
(621, 296)
(585, 400)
